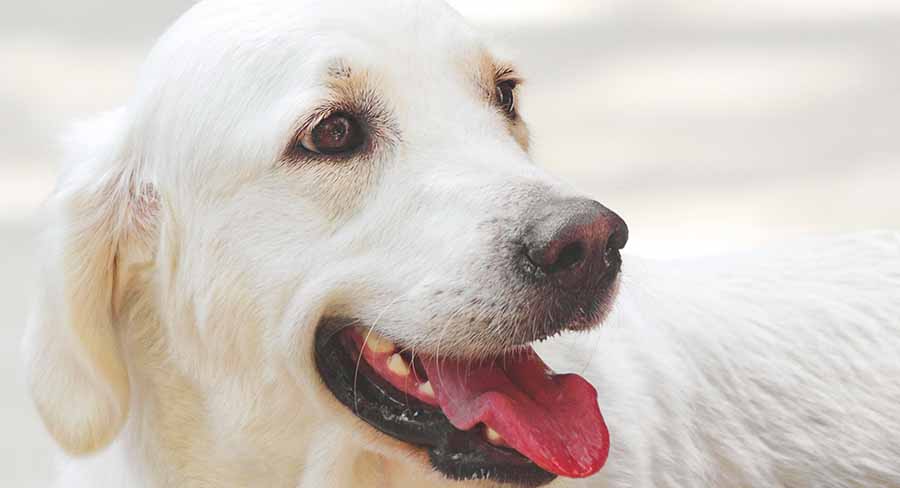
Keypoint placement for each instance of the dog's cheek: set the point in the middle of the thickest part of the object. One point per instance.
(214, 320)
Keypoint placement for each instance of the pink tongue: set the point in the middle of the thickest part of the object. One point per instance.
(551, 419)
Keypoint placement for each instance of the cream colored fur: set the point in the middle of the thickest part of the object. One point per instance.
(186, 267)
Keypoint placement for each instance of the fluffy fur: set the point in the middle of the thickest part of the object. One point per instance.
(188, 261)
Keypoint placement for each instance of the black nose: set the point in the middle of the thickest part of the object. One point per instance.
(575, 242)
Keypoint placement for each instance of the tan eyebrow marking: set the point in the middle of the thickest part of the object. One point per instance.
(347, 83)
(490, 73)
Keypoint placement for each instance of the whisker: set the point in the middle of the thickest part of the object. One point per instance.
(366, 342)
(444, 328)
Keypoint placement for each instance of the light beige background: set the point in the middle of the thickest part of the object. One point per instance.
(710, 125)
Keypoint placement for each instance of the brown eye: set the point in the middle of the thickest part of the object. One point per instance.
(339, 133)
(506, 97)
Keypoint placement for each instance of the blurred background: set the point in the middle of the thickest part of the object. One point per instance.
(711, 126)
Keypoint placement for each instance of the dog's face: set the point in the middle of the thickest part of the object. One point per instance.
(344, 193)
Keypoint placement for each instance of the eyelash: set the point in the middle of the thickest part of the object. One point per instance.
(510, 108)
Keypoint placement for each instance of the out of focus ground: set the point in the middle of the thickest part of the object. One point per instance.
(710, 126)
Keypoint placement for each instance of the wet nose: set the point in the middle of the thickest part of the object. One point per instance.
(575, 242)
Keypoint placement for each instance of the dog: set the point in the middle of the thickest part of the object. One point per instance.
(313, 251)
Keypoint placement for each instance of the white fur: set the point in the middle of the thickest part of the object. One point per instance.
(186, 269)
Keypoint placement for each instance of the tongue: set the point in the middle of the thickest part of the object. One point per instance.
(552, 419)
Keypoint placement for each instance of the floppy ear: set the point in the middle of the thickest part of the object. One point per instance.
(76, 372)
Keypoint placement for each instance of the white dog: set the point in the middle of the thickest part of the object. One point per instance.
(312, 251)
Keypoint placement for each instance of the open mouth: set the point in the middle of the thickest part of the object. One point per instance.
(508, 419)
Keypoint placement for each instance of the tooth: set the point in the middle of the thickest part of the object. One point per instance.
(398, 365)
(493, 436)
(426, 389)
(378, 344)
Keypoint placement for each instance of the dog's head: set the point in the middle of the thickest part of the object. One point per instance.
(338, 196)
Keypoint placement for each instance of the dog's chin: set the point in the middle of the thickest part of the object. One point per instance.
(387, 388)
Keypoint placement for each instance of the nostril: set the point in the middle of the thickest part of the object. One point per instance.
(569, 257)
(551, 261)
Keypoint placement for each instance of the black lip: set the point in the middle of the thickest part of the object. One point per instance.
(459, 455)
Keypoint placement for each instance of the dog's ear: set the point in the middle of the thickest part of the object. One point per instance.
(77, 375)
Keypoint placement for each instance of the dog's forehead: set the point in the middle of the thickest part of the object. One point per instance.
(258, 48)
(405, 30)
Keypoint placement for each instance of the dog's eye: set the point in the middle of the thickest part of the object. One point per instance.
(506, 97)
(339, 133)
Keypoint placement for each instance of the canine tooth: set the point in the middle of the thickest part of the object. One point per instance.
(493, 436)
(398, 365)
(378, 344)
(426, 389)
